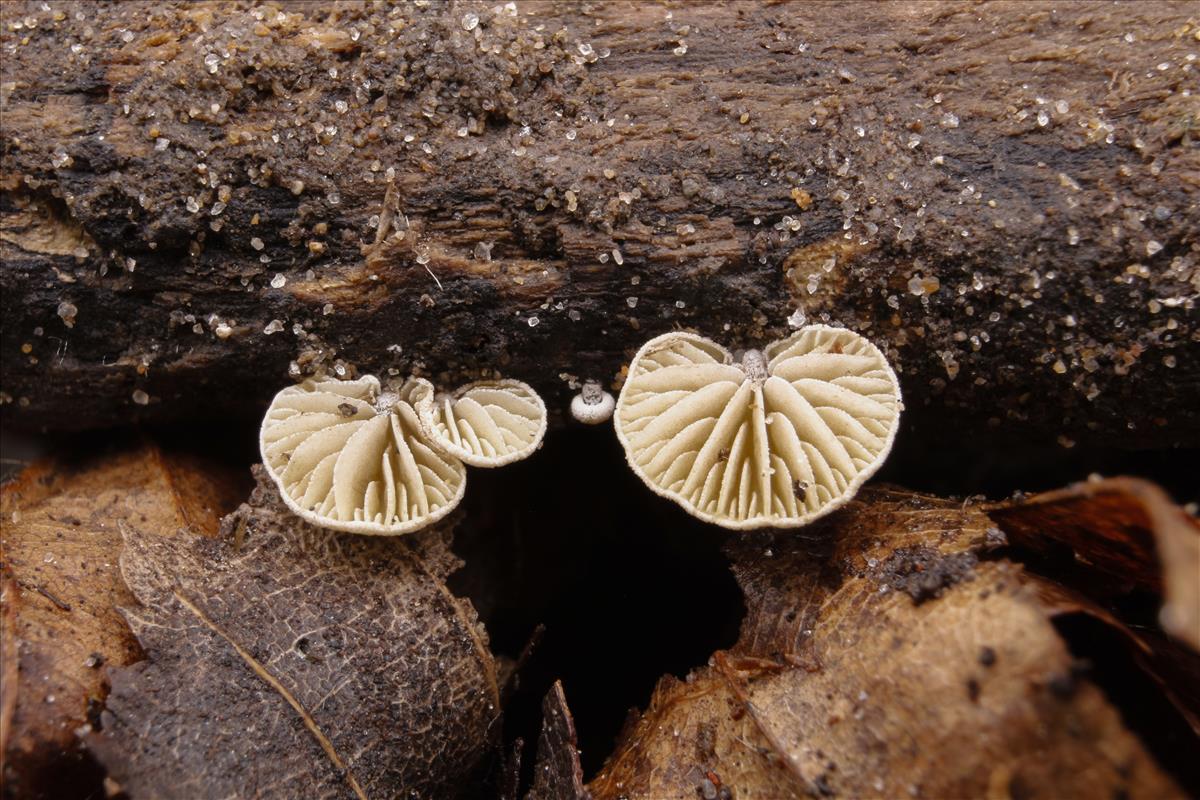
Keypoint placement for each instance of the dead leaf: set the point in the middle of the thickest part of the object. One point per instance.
(9, 665)
(61, 541)
(288, 661)
(1126, 534)
(557, 774)
(884, 653)
(1101, 550)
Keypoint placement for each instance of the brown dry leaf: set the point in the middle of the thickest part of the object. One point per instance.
(1110, 551)
(1126, 534)
(882, 655)
(9, 663)
(60, 533)
(557, 775)
(288, 661)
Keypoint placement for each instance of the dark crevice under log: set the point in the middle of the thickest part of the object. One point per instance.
(1003, 195)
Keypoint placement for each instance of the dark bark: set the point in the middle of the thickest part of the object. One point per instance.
(1003, 195)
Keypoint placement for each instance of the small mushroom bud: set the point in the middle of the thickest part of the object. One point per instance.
(592, 405)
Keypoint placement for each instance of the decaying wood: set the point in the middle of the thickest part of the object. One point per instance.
(1003, 195)
(1129, 535)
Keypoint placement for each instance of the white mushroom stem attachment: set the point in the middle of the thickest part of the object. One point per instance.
(386, 401)
(592, 405)
(754, 365)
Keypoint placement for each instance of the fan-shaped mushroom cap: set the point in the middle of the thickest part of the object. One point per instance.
(346, 458)
(485, 424)
(781, 438)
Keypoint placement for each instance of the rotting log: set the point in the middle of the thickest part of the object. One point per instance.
(199, 198)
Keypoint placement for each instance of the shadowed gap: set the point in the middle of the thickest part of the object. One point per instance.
(958, 467)
(1150, 715)
(627, 585)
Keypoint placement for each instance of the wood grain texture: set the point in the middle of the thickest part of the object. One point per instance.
(1000, 195)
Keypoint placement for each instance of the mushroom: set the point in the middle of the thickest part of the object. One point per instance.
(592, 405)
(485, 424)
(776, 438)
(347, 457)
(350, 457)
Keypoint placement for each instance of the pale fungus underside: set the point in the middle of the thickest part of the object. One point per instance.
(349, 457)
(776, 439)
(484, 424)
(996, 194)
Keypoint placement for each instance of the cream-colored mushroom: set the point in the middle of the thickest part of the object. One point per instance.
(592, 405)
(485, 424)
(776, 439)
(347, 457)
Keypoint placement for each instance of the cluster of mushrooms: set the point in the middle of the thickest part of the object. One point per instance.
(773, 438)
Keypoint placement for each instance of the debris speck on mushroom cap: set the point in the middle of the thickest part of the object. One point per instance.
(784, 436)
